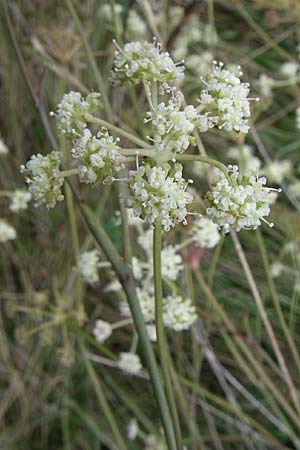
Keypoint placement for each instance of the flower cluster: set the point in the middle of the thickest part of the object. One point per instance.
(102, 330)
(178, 312)
(239, 203)
(97, 156)
(130, 363)
(173, 128)
(19, 200)
(132, 429)
(88, 264)
(158, 194)
(7, 232)
(225, 97)
(144, 61)
(74, 111)
(171, 263)
(290, 70)
(44, 178)
(205, 232)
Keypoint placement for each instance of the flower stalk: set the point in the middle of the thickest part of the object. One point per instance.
(161, 339)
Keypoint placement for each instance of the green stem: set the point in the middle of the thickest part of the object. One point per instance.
(161, 339)
(68, 173)
(205, 160)
(119, 131)
(74, 239)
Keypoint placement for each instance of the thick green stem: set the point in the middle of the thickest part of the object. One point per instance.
(161, 339)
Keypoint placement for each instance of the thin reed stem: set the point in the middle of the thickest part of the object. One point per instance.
(265, 319)
(91, 59)
(104, 405)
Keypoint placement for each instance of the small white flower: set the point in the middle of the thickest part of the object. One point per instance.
(3, 148)
(171, 263)
(44, 179)
(97, 155)
(102, 330)
(7, 232)
(144, 61)
(130, 363)
(87, 265)
(133, 221)
(172, 127)
(74, 111)
(158, 195)
(205, 232)
(276, 171)
(145, 240)
(290, 69)
(276, 269)
(225, 97)
(178, 313)
(132, 429)
(241, 203)
(19, 200)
